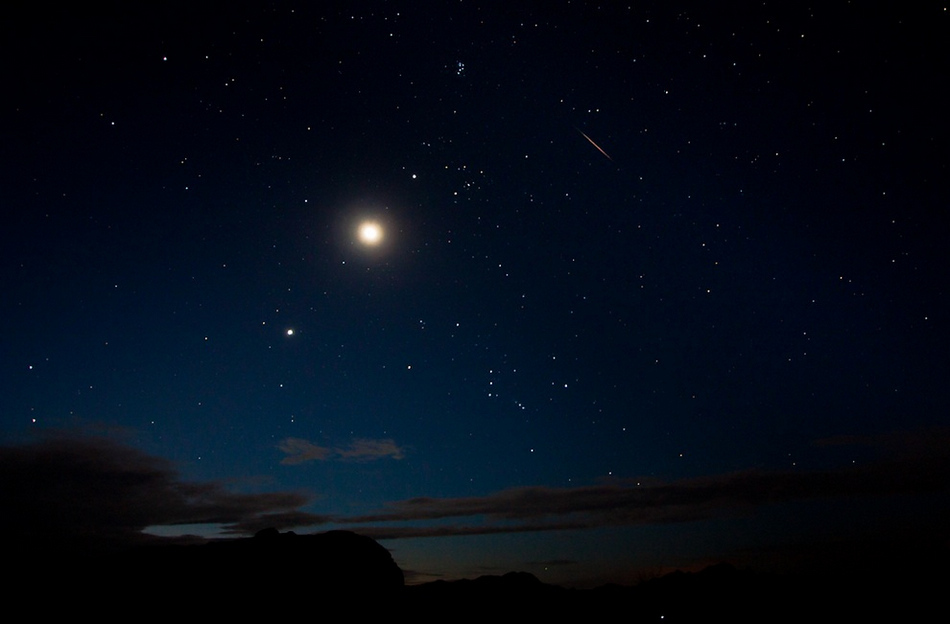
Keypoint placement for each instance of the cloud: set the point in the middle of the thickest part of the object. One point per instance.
(278, 520)
(96, 489)
(91, 489)
(300, 451)
(364, 449)
(540, 508)
(456, 530)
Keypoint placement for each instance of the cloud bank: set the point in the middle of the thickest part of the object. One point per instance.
(915, 465)
(89, 489)
(96, 489)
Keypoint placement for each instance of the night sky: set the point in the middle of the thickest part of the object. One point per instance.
(654, 284)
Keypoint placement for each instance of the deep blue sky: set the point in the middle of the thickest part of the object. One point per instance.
(660, 284)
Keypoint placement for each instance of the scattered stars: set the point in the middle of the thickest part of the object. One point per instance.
(474, 276)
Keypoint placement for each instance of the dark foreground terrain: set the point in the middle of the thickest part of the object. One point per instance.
(344, 575)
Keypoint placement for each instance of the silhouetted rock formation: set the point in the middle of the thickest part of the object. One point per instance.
(333, 561)
(272, 567)
(717, 593)
(513, 595)
(344, 574)
(249, 577)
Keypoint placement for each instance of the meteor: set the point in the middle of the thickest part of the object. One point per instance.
(594, 144)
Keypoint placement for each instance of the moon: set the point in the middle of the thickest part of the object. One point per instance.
(370, 233)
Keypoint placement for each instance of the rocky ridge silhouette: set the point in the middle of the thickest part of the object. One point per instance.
(275, 574)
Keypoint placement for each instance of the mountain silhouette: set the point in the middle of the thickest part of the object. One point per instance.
(719, 592)
(248, 577)
(344, 574)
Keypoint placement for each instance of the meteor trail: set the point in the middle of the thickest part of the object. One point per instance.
(594, 144)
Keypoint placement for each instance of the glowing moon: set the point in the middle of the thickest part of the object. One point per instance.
(370, 233)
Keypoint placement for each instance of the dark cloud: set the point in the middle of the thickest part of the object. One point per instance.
(280, 520)
(547, 508)
(554, 562)
(96, 489)
(455, 530)
(85, 489)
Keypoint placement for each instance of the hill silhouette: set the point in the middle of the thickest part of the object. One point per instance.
(341, 572)
(240, 576)
(717, 593)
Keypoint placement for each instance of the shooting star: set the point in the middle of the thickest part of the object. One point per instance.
(594, 144)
